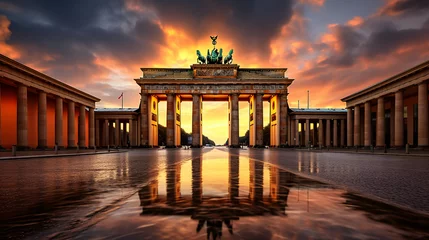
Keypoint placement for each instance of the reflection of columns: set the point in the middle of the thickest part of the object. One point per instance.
(233, 188)
(380, 137)
(81, 129)
(307, 132)
(71, 141)
(328, 132)
(367, 124)
(297, 143)
(256, 180)
(144, 118)
(197, 181)
(42, 124)
(357, 126)
(342, 133)
(117, 133)
(335, 133)
(91, 119)
(349, 127)
(196, 120)
(259, 120)
(97, 133)
(170, 119)
(22, 117)
(106, 133)
(234, 120)
(321, 133)
(422, 135)
(59, 121)
(283, 119)
(399, 119)
(173, 180)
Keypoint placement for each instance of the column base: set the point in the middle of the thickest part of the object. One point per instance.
(2, 148)
(234, 146)
(22, 148)
(42, 147)
(258, 146)
(170, 146)
(146, 146)
(83, 147)
(196, 146)
(71, 147)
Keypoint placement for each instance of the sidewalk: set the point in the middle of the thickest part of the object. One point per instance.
(394, 152)
(7, 155)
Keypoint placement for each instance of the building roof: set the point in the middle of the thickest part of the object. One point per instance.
(319, 110)
(44, 77)
(385, 82)
(116, 109)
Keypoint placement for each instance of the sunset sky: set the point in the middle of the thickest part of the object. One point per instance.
(330, 47)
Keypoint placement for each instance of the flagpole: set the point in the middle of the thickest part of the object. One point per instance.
(122, 100)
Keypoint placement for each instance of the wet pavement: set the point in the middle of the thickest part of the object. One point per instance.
(193, 194)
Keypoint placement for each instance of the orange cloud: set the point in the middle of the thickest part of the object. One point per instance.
(356, 21)
(5, 33)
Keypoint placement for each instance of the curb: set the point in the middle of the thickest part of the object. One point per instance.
(57, 155)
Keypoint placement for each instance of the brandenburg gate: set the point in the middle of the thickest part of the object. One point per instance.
(214, 78)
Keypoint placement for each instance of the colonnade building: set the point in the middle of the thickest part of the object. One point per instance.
(38, 111)
(392, 113)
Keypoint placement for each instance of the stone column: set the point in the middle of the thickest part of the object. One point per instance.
(71, 143)
(342, 133)
(234, 121)
(422, 125)
(380, 137)
(349, 127)
(328, 132)
(196, 120)
(42, 124)
(59, 122)
(171, 119)
(124, 134)
(357, 126)
(297, 143)
(392, 122)
(97, 133)
(283, 119)
(399, 119)
(81, 128)
(307, 132)
(131, 132)
(335, 133)
(91, 121)
(0, 121)
(22, 118)
(292, 132)
(117, 133)
(321, 133)
(259, 120)
(367, 124)
(144, 120)
(106, 136)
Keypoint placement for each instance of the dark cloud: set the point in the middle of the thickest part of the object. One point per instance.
(348, 40)
(388, 40)
(406, 7)
(252, 24)
(68, 47)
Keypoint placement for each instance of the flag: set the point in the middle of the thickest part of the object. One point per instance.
(122, 94)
